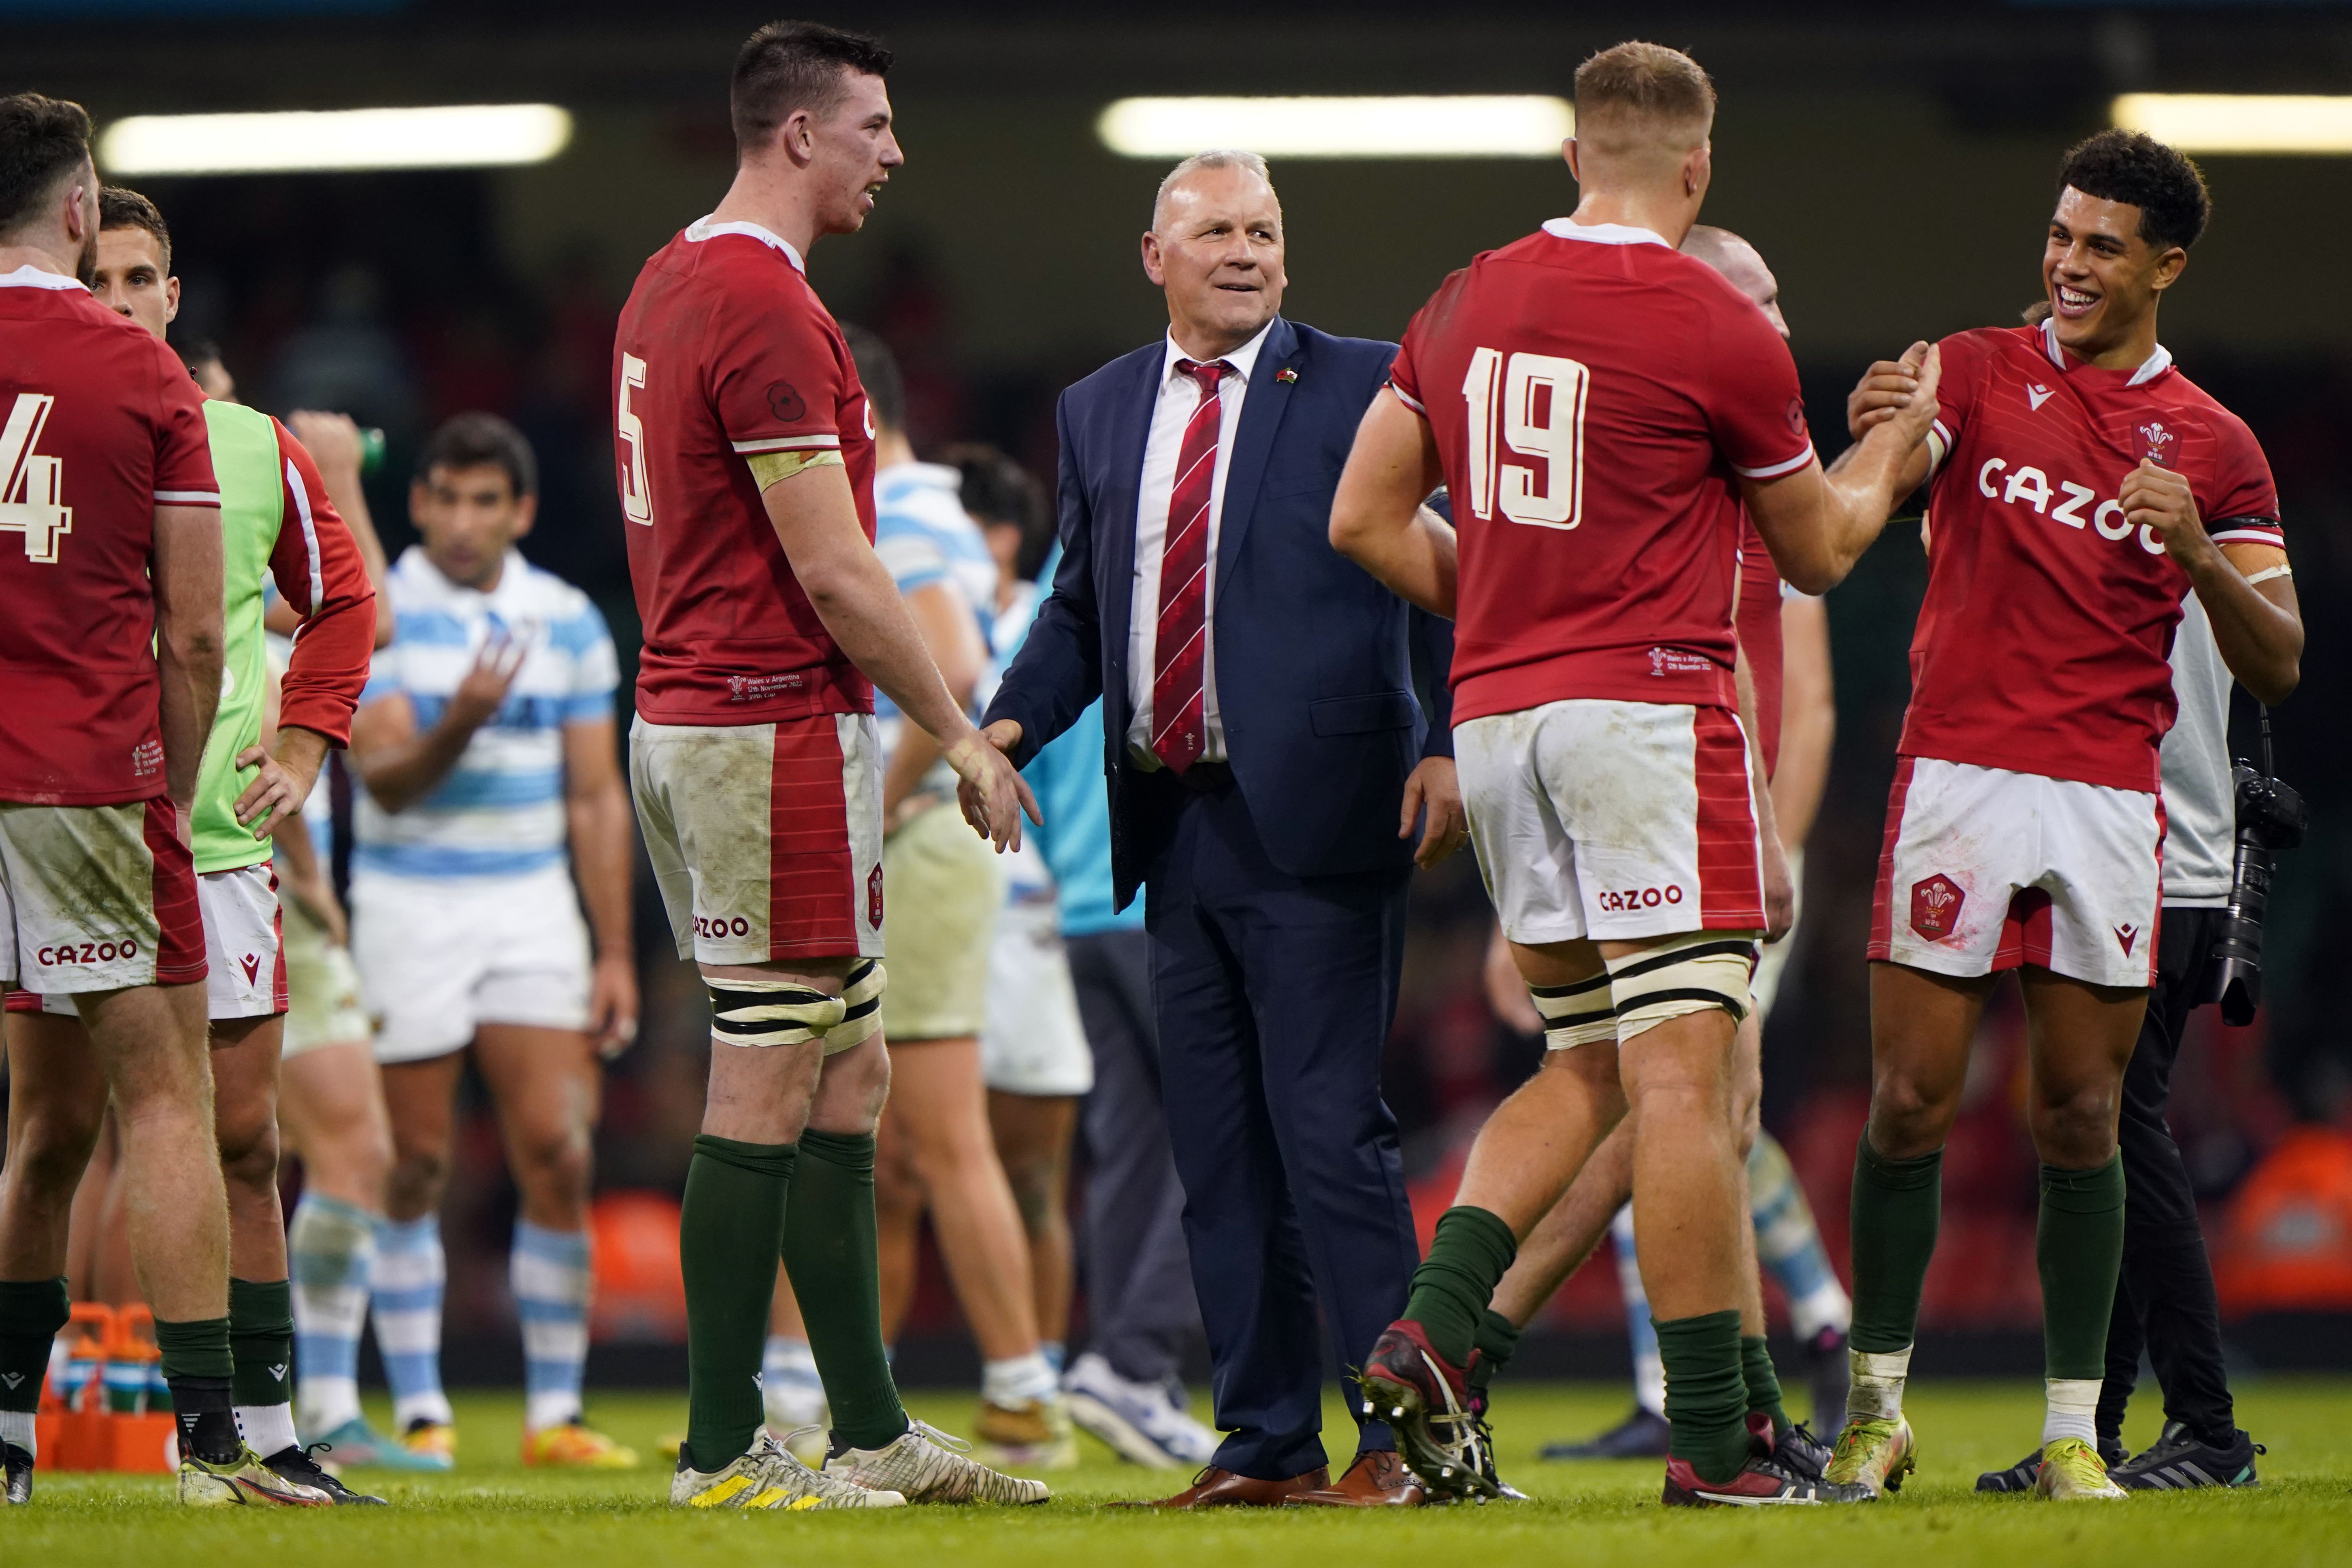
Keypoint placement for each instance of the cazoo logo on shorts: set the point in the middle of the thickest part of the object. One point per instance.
(2061, 502)
(720, 925)
(1640, 897)
(86, 952)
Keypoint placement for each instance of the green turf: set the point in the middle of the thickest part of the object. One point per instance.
(492, 1511)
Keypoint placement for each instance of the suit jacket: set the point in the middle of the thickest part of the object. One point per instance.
(1318, 666)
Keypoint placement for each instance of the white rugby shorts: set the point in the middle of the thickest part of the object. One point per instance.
(440, 957)
(245, 963)
(1617, 821)
(1984, 869)
(1033, 1042)
(323, 987)
(97, 897)
(765, 839)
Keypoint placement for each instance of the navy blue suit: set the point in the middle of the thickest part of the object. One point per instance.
(1275, 905)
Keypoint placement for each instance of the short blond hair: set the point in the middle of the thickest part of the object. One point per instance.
(1639, 93)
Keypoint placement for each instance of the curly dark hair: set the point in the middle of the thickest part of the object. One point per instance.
(42, 139)
(2133, 167)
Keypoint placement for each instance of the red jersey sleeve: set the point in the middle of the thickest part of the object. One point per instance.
(2243, 507)
(1964, 356)
(1404, 374)
(318, 568)
(1753, 402)
(777, 375)
(184, 445)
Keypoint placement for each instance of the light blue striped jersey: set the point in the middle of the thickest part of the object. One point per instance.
(500, 811)
(924, 536)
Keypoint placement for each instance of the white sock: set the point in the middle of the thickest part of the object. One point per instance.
(16, 1426)
(331, 1247)
(268, 1428)
(1876, 1394)
(1014, 1382)
(1825, 1307)
(2073, 1410)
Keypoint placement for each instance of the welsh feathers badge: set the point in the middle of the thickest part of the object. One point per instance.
(2158, 443)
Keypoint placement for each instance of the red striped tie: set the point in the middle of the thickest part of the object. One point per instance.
(1180, 723)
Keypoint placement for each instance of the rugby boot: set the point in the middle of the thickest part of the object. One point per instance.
(2181, 1461)
(572, 1446)
(18, 1467)
(244, 1481)
(1794, 1448)
(1873, 1454)
(2019, 1477)
(2072, 1470)
(1761, 1482)
(1641, 1436)
(1426, 1402)
(356, 1446)
(1033, 1435)
(769, 1478)
(1377, 1479)
(432, 1440)
(1504, 1490)
(927, 1465)
(301, 1466)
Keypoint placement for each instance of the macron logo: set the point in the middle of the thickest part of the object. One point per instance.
(2037, 394)
(251, 964)
(2127, 935)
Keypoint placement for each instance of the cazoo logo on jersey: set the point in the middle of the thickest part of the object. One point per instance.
(2063, 501)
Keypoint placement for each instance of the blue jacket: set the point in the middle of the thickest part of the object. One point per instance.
(1317, 664)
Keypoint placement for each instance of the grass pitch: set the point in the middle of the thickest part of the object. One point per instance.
(493, 1512)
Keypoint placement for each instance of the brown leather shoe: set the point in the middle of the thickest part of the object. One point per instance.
(1377, 1479)
(1213, 1487)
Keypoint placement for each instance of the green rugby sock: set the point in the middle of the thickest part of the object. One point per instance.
(829, 1251)
(1467, 1259)
(2079, 1247)
(730, 1226)
(261, 1340)
(1706, 1393)
(1897, 1206)
(31, 1314)
(1763, 1382)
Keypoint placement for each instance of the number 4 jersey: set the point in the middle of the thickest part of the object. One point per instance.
(100, 424)
(1595, 396)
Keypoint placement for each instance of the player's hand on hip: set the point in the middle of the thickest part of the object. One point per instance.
(1432, 795)
(277, 791)
(1779, 890)
(484, 689)
(990, 790)
(613, 1004)
(2159, 500)
(1881, 394)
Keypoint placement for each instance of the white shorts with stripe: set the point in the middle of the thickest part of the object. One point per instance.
(765, 839)
(244, 953)
(1984, 869)
(1618, 821)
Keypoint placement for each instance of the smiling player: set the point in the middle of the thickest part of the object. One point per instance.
(2081, 488)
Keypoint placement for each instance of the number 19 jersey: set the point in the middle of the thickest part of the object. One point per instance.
(1595, 396)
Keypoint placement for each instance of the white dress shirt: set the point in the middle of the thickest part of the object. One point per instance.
(1178, 398)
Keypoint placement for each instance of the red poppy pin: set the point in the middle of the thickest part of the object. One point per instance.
(1285, 375)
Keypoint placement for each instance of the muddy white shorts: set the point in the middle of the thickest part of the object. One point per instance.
(245, 963)
(1619, 821)
(1985, 870)
(765, 839)
(1033, 1042)
(97, 897)
(322, 988)
(439, 957)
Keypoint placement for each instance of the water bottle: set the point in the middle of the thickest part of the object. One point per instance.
(372, 450)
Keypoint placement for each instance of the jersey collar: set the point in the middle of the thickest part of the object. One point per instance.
(31, 276)
(2156, 364)
(1604, 233)
(702, 228)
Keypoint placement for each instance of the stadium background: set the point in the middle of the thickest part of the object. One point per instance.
(1893, 168)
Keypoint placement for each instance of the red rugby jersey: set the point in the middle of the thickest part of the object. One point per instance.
(724, 352)
(2042, 641)
(1758, 622)
(100, 424)
(1593, 393)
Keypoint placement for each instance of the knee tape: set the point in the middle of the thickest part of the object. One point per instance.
(1682, 975)
(861, 1001)
(1577, 1015)
(771, 1011)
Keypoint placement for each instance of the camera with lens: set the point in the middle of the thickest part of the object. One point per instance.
(2271, 817)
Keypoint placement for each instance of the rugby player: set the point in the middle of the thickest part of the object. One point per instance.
(2081, 488)
(745, 456)
(1599, 407)
(111, 648)
(485, 745)
(1784, 649)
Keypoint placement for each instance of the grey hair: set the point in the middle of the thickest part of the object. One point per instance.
(1215, 158)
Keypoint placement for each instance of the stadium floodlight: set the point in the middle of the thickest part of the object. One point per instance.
(1451, 126)
(457, 136)
(2240, 122)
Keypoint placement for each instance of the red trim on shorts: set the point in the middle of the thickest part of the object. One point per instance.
(2025, 932)
(20, 1000)
(179, 917)
(1882, 897)
(281, 998)
(1730, 877)
(812, 893)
